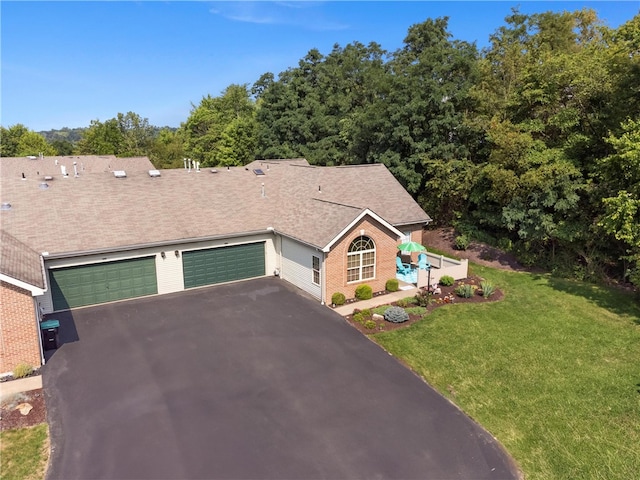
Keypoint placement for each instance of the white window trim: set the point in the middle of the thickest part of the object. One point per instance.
(360, 253)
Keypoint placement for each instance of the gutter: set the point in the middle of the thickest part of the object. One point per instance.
(101, 251)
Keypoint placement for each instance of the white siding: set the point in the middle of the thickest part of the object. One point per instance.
(169, 272)
(297, 266)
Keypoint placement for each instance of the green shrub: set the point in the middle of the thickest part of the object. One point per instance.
(488, 288)
(364, 292)
(461, 242)
(338, 298)
(423, 298)
(22, 370)
(396, 315)
(366, 312)
(505, 244)
(358, 317)
(403, 302)
(447, 280)
(370, 325)
(392, 285)
(465, 290)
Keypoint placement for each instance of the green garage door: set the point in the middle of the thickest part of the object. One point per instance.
(223, 264)
(102, 282)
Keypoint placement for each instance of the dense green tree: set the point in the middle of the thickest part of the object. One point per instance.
(167, 149)
(101, 139)
(18, 141)
(62, 146)
(221, 130)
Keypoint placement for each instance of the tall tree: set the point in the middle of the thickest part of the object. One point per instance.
(221, 130)
(18, 140)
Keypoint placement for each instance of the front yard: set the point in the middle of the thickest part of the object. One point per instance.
(551, 371)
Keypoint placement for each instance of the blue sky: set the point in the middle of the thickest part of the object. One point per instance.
(67, 63)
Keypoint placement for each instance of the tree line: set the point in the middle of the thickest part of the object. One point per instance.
(531, 144)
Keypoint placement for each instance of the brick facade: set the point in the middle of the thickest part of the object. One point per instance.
(19, 342)
(386, 250)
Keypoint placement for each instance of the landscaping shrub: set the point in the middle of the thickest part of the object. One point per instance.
(488, 288)
(461, 242)
(423, 298)
(338, 298)
(358, 317)
(396, 315)
(446, 280)
(392, 285)
(22, 370)
(465, 290)
(370, 325)
(364, 292)
(366, 312)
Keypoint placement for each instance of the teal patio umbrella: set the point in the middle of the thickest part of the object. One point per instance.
(409, 247)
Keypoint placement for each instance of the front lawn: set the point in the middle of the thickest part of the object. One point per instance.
(24, 453)
(552, 371)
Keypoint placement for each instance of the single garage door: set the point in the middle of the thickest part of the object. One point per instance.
(102, 282)
(223, 264)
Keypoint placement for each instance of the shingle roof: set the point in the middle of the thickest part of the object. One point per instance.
(97, 211)
(19, 261)
(37, 168)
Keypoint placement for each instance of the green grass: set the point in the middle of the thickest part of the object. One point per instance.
(24, 453)
(553, 371)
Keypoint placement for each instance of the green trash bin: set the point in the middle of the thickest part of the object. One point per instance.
(49, 329)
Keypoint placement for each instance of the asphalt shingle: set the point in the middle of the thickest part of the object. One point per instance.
(96, 211)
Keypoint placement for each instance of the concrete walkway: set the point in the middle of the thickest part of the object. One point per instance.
(18, 386)
(375, 301)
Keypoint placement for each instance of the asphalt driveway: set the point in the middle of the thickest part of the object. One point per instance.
(246, 381)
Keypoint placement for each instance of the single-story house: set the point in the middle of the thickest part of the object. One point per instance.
(80, 231)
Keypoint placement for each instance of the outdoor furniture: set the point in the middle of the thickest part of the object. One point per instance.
(423, 263)
(402, 268)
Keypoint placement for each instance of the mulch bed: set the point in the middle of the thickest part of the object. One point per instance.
(446, 297)
(11, 417)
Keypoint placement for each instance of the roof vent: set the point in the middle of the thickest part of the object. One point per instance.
(5, 206)
(44, 186)
(154, 173)
(120, 173)
(213, 170)
(32, 157)
(48, 178)
(258, 171)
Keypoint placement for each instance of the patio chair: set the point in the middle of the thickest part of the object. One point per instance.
(402, 268)
(423, 263)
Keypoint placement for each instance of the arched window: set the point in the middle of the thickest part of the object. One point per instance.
(361, 260)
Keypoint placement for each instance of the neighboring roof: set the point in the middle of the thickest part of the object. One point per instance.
(97, 211)
(19, 262)
(38, 167)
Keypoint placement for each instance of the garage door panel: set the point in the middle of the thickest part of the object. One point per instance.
(103, 282)
(223, 264)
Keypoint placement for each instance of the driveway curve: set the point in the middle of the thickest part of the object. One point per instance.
(251, 380)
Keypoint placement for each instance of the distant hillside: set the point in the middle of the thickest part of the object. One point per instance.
(70, 134)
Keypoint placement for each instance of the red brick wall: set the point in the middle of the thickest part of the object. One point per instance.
(336, 260)
(19, 341)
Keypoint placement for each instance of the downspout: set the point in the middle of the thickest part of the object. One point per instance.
(37, 307)
(323, 281)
